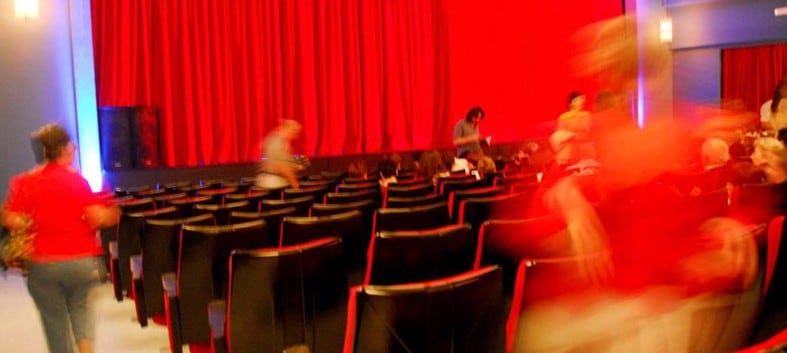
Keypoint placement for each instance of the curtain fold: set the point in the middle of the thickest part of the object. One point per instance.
(362, 76)
(359, 75)
(750, 74)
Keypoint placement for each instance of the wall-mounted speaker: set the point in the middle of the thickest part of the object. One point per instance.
(129, 137)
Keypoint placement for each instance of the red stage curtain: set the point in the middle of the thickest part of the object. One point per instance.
(357, 74)
(362, 76)
(750, 74)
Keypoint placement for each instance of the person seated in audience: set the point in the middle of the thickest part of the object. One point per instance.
(466, 162)
(416, 159)
(715, 154)
(759, 202)
(279, 168)
(388, 171)
(358, 169)
(770, 155)
(716, 169)
(461, 164)
(397, 161)
(576, 119)
(432, 166)
(772, 112)
(486, 167)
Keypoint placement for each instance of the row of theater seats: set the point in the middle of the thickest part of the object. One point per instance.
(158, 230)
(437, 239)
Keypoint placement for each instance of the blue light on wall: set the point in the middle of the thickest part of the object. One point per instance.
(640, 97)
(85, 92)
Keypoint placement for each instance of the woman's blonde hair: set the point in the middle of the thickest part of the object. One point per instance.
(773, 151)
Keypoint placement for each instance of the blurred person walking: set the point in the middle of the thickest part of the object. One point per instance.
(63, 213)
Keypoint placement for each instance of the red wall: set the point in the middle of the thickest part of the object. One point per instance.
(512, 58)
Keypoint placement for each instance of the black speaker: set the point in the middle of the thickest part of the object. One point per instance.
(114, 126)
(129, 137)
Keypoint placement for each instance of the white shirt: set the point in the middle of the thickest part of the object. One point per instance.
(765, 111)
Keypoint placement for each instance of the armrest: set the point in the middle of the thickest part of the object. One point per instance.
(136, 267)
(138, 290)
(169, 281)
(114, 271)
(217, 317)
(113, 249)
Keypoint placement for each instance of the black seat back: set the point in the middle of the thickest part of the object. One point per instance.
(272, 221)
(397, 257)
(218, 195)
(463, 184)
(350, 196)
(478, 210)
(459, 314)
(203, 267)
(419, 189)
(301, 204)
(413, 201)
(222, 211)
(287, 296)
(348, 226)
(365, 206)
(253, 198)
(455, 197)
(129, 230)
(159, 243)
(540, 281)
(506, 242)
(370, 185)
(315, 191)
(412, 218)
(163, 199)
(186, 205)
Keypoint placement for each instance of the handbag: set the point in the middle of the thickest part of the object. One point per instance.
(16, 246)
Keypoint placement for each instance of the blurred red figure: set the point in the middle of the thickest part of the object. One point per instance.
(647, 266)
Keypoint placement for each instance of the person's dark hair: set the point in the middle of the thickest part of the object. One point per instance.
(782, 135)
(572, 95)
(387, 168)
(53, 138)
(475, 112)
(431, 164)
(777, 95)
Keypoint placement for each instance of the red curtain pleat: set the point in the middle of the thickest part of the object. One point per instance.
(361, 76)
(750, 74)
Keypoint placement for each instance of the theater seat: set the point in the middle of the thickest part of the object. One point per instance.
(412, 201)
(301, 204)
(459, 314)
(203, 259)
(272, 220)
(159, 244)
(344, 197)
(397, 257)
(282, 297)
(412, 218)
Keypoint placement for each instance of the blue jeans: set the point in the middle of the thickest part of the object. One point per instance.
(61, 292)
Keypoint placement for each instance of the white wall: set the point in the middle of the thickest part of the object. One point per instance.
(36, 81)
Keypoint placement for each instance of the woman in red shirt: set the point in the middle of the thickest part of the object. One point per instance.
(65, 215)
